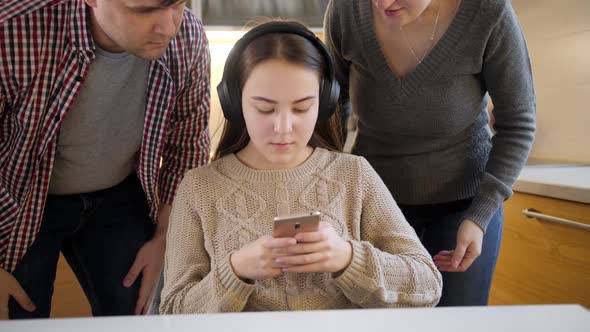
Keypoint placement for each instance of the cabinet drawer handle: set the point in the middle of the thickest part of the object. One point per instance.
(532, 213)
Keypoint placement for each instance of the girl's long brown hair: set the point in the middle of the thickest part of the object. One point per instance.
(295, 50)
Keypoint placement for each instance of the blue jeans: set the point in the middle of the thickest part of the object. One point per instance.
(437, 226)
(99, 234)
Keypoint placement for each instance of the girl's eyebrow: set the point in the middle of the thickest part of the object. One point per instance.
(266, 100)
(303, 99)
(270, 101)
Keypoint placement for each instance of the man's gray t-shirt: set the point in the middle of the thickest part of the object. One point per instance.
(101, 135)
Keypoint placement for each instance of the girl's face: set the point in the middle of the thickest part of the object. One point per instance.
(395, 13)
(280, 101)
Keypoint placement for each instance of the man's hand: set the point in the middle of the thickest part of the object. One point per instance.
(9, 286)
(469, 243)
(149, 261)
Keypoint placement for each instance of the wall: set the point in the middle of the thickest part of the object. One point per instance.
(558, 37)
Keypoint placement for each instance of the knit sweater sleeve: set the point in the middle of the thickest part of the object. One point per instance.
(190, 286)
(508, 78)
(390, 267)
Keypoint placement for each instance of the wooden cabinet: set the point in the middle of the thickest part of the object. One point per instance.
(540, 261)
(68, 298)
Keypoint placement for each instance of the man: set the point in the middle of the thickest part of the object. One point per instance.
(104, 105)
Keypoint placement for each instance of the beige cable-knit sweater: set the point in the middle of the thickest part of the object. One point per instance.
(223, 206)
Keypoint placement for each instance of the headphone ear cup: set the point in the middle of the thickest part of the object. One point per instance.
(328, 99)
(335, 96)
(230, 105)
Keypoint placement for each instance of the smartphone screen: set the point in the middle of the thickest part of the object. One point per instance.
(291, 225)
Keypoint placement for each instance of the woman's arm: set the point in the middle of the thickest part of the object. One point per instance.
(508, 77)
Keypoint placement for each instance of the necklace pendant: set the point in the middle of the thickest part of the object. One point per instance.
(430, 39)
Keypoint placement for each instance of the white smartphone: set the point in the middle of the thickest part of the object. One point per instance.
(291, 225)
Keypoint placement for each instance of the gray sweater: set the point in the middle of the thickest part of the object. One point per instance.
(426, 134)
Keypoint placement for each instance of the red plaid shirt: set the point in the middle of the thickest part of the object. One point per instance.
(45, 52)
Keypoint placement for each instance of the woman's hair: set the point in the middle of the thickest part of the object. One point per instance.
(293, 49)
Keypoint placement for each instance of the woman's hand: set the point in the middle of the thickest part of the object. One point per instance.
(321, 251)
(256, 260)
(469, 242)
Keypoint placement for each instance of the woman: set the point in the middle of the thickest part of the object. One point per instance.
(416, 73)
(277, 157)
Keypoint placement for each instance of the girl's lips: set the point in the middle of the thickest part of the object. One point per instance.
(282, 146)
(393, 12)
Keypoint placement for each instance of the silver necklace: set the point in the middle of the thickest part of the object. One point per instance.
(401, 28)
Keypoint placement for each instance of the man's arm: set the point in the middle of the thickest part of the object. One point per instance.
(8, 207)
(13, 8)
(9, 286)
(186, 147)
(187, 144)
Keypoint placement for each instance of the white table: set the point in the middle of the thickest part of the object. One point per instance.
(561, 318)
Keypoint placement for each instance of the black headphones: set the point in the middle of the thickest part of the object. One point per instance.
(228, 89)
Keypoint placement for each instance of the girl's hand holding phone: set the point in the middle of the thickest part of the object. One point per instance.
(321, 251)
(256, 260)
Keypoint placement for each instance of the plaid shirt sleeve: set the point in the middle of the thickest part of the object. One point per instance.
(7, 206)
(2, 104)
(13, 8)
(187, 142)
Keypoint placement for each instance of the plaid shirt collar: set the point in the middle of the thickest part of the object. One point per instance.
(80, 34)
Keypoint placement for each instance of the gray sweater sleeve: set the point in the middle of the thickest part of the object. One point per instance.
(508, 78)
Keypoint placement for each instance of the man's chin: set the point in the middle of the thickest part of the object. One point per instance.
(149, 54)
